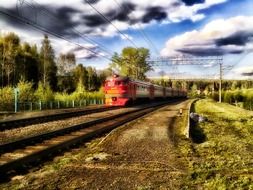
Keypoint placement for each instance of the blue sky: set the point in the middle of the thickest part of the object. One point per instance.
(175, 27)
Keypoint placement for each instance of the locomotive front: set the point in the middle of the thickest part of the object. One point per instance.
(116, 91)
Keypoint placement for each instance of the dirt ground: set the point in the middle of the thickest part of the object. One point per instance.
(142, 154)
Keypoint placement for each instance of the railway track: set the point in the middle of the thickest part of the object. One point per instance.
(17, 123)
(17, 155)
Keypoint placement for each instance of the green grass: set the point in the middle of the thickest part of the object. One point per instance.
(225, 159)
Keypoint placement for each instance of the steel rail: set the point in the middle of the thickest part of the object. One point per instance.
(17, 123)
(72, 136)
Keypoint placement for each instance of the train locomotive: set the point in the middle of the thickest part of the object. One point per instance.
(121, 91)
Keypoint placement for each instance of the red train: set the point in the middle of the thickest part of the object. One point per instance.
(120, 91)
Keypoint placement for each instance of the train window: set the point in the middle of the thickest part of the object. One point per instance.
(110, 83)
(123, 83)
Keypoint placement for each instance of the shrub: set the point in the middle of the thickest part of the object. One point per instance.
(215, 96)
(44, 93)
(238, 96)
(228, 97)
(26, 92)
(7, 99)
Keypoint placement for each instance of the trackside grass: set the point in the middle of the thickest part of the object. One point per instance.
(224, 159)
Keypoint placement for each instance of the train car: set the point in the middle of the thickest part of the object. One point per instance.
(117, 90)
(120, 91)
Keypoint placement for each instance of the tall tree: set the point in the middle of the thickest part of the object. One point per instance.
(1, 61)
(93, 82)
(66, 63)
(81, 75)
(28, 63)
(48, 67)
(10, 46)
(132, 62)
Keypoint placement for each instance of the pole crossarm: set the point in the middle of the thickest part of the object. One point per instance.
(185, 60)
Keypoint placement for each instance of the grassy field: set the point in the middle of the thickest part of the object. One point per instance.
(223, 157)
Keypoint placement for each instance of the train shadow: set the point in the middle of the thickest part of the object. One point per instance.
(171, 131)
(197, 134)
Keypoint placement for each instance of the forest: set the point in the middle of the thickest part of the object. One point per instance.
(42, 76)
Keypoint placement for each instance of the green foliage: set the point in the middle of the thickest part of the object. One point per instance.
(194, 91)
(44, 93)
(9, 52)
(224, 159)
(65, 63)
(132, 62)
(237, 97)
(6, 98)
(228, 97)
(48, 67)
(26, 91)
(80, 94)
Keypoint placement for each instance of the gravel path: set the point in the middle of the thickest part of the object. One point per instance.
(142, 154)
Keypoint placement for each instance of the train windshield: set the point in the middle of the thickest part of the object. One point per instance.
(110, 83)
(116, 83)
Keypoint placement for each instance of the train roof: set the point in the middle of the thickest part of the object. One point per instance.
(117, 78)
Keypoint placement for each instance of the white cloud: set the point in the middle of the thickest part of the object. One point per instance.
(225, 36)
(126, 37)
(175, 10)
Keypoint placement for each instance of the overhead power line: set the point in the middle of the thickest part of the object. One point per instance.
(28, 22)
(237, 62)
(107, 20)
(78, 33)
(140, 29)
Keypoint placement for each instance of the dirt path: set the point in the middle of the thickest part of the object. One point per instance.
(140, 155)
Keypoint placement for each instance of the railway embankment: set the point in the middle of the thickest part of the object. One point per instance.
(154, 153)
(221, 152)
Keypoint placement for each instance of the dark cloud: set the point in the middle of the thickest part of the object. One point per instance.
(192, 2)
(208, 51)
(239, 38)
(247, 74)
(54, 20)
(91, 1)
(79, 48)
(89, 56)
(221, 45)
(11, 20)
(154, 13)
(94, 20)
(122, 14)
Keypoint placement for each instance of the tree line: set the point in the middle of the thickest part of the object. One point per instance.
(27, 66)
(26, 62)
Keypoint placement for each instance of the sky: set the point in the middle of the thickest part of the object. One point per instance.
(95, 29)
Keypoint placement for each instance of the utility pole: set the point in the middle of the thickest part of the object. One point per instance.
(44, 69)
(3, 65)
(220, 85)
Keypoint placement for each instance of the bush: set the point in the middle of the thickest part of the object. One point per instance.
(238, 96)
(26, 92)
(79, 94)
(215, 96)
(7, 99)
(44, 93)
(248, 100)
(228, 97)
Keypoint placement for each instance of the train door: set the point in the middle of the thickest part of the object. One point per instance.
(134, 91)
(151, 92)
